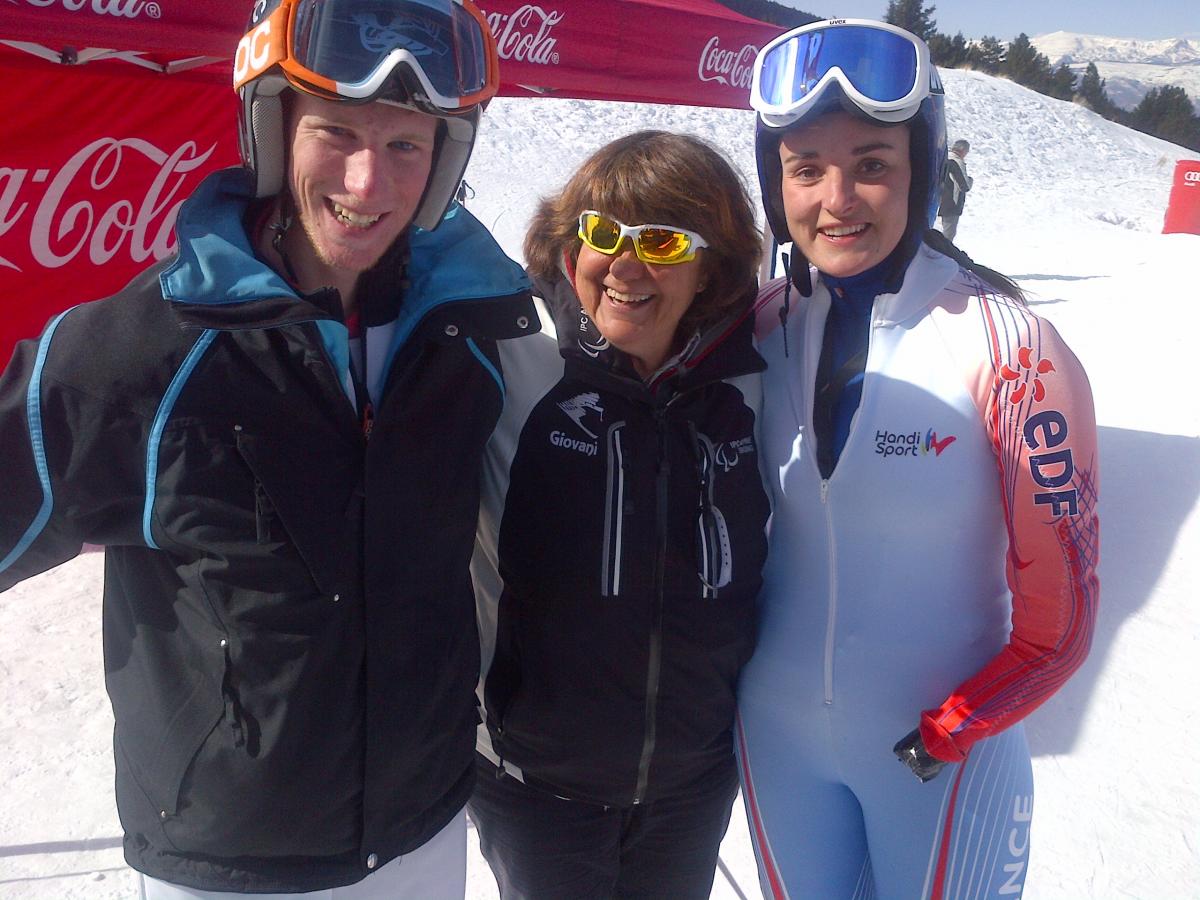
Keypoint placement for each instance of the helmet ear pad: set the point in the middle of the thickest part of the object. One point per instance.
(262, 133)
(455, 141)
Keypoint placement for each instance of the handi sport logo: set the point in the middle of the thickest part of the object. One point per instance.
(910, 443)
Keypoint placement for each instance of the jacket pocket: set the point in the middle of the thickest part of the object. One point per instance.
(157, 767)
(266, 520)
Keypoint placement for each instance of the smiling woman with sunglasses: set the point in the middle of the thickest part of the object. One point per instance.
(622, 533)
(931, 446)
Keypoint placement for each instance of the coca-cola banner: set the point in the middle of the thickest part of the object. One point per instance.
(93, 167)
(179, 28)
(693, 52)
(690, 52)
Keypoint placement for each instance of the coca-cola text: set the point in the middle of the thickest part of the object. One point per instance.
(732, 67)
(123, 9)
(144, 228)
(516, 37)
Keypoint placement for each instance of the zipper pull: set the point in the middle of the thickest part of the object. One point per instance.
(368, 419)
(824, 490)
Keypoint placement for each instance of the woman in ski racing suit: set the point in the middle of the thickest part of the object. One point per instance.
(622, 533)
(931, 450)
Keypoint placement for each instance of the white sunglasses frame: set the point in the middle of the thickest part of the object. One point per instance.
(697, 241)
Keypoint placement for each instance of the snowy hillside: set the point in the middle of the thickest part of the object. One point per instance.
(1130, 67)
(1067, 203)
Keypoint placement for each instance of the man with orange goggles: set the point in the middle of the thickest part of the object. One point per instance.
(278, 441)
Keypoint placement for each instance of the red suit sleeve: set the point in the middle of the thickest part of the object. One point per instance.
(1039, 415)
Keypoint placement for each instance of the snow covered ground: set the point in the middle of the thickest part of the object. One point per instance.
(1068, 204)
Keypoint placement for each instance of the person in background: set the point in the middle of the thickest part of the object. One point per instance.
(955, 184)
(931, 447)
(622, 533)
(277, 434)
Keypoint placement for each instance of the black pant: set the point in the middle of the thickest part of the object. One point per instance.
(542, 847)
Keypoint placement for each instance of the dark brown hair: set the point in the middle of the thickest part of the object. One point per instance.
(656, 177)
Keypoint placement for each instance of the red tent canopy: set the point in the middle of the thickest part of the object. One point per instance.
(692, 52)
(113, 111)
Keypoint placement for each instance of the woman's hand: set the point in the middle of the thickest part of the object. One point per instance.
(911, 751)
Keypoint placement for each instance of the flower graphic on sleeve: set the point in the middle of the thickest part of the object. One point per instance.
(1027, 367)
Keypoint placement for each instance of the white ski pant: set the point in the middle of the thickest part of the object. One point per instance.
(437, 870)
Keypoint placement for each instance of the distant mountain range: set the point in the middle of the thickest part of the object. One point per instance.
(1130, 67)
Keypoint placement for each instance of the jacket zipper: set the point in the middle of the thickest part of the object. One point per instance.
(654, 663)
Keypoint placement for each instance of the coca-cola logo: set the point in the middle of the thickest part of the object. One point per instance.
(59, 231)
(732, 67)
(524, 35)
(122, 9)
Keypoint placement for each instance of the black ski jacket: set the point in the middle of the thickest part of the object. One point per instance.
(289, 635)
(955, 184)
(620, 545)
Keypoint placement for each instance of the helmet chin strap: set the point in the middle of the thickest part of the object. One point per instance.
(281, 225)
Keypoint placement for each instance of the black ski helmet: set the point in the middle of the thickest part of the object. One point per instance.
(927, 152)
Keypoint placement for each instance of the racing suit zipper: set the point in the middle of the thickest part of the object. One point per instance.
(654, 663)
(830, 542)
(831, 618)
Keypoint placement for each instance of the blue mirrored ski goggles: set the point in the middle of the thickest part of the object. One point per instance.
(884, 70)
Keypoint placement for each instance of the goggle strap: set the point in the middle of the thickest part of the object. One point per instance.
(491, 80)
(266, 45)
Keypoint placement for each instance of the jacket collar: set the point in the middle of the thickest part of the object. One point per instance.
(724, 350)
(924, 279)
(216, 262)
(216, 273)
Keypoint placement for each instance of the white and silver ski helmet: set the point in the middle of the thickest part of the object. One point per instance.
(434, 56)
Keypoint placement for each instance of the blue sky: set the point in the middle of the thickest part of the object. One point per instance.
(1005, 19)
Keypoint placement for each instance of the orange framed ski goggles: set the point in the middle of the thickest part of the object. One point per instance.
(442, 51)
(661, 245)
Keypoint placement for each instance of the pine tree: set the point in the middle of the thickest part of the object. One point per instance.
(1024, 65)
(986, 55)
(948, 52)
(1166, 112)
(1062, 82)
(913, 16)
(1092, 90)
(1091, 86)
